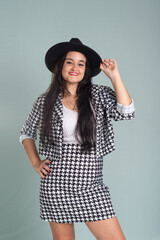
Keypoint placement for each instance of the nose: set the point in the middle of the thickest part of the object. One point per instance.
(74, 67)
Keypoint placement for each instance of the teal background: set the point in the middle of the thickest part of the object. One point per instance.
(127, 31)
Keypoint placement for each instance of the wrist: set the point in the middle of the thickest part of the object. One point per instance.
(116, 78)
(35, 161)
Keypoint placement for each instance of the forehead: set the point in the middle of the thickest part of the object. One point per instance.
(76, 55)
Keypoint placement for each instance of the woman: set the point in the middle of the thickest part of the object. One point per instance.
(74, 121)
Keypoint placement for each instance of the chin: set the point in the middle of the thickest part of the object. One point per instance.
(74, 81)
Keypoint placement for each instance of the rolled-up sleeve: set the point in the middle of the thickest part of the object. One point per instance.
(115, 110)
(125, 109)
(31, 124)
(22, 137)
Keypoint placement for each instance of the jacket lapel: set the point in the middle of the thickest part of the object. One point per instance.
(94, 100)
(59, 107)
(58, 113)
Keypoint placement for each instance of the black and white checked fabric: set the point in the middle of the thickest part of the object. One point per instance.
(74, 191)
(105, 105)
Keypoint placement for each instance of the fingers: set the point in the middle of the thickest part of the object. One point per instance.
(108, 62)
(42, 175)
(47, 162)
(43, 168)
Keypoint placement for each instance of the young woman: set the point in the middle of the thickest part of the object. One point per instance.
(74, 119)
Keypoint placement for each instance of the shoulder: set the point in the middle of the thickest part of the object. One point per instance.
(102, 89)
(40, 99)
(97, 87)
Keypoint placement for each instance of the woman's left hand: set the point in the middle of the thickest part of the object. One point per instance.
(109, 67)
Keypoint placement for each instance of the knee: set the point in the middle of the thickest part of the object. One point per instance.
(64, 238)
(62, 231)
(112, 237)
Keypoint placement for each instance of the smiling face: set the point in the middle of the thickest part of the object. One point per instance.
(74, 67)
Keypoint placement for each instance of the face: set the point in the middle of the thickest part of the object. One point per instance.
(74, 67)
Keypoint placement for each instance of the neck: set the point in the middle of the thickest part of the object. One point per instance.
(72, 88)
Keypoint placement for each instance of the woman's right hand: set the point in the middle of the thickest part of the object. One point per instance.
(41, 167)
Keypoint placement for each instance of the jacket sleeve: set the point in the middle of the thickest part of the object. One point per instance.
(31, 124)
(114, 109)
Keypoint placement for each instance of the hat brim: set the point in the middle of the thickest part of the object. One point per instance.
(56, 51)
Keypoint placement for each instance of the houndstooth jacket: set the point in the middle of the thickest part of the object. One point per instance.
(105, 107)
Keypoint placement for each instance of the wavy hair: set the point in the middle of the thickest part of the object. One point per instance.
(85, 128)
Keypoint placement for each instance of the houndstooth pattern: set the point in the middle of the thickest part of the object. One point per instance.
(74, 191)
(105, 106)
(107, 109)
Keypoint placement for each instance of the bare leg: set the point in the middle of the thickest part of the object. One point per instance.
(62, 231)
(108, 229)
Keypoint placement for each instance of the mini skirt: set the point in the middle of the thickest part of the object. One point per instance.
(74, 191)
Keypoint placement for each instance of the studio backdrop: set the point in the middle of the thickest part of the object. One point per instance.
(127, 31)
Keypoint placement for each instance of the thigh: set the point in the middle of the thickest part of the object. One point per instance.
(108, 229)
(63, 231)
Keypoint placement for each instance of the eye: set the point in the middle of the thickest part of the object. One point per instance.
(81, 64)
(68, 62)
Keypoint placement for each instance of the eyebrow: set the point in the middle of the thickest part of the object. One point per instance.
(72, 60)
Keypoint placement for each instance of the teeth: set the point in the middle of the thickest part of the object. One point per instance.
(73, 74)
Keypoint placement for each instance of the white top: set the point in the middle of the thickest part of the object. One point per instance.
(70, 119)
(69, 124)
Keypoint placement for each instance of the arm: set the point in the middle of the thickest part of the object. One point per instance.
(122, 95)
(39, 166)
(28, 137)
(118, 103)
(109, 67)
(31, 150)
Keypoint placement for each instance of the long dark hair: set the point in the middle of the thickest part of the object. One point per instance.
(85, 127)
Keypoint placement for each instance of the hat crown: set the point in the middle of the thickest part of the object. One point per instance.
(59, 49)
(75, 41)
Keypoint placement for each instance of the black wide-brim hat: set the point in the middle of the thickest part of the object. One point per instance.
(56, 52)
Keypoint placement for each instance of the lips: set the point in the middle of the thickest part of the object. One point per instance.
(73, 73)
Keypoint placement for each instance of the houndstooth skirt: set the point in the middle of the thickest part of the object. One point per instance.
(74, 191)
